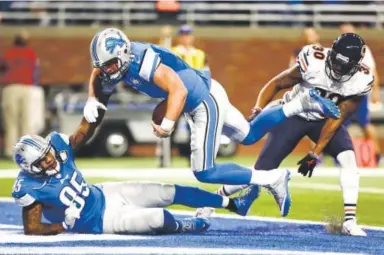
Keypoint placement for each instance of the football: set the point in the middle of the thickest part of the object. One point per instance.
(159, 112)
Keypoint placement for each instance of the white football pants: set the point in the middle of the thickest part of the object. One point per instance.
(135, 207)
(214, 116)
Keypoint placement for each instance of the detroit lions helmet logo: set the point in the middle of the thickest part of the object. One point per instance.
(111, 43)
(20, 160)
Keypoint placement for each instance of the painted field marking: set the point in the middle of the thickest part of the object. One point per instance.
(153, 250)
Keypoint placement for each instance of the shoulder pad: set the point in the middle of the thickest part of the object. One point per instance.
(311, 58)
(364, 81)
(55, 135)
(21, 192)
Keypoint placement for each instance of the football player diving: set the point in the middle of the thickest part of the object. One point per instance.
(159, 73)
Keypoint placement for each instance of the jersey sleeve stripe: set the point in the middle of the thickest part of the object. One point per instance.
(305, 59)
(368, 89)
(25, 200)
(150, 61)
(302, 64)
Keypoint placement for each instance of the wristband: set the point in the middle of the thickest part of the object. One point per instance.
(167, 124)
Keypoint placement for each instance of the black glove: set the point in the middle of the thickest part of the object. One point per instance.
(307, 164)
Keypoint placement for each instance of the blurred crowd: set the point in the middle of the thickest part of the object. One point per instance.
(167, 11)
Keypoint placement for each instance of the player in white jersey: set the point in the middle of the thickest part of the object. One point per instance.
(337, 74)
(362, 114)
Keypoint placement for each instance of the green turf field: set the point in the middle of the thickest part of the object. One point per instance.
(309, 202)
(151, 162)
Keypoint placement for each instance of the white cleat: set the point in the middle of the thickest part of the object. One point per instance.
(280, 192)
(313, 102)
(351, 228)
(204, 212)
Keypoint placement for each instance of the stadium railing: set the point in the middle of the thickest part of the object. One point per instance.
(67, 13)
(251, 14)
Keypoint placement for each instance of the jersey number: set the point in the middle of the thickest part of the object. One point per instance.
(319, 52)
(17, 185)
(75, 193)
(334, 97)
(364, 69)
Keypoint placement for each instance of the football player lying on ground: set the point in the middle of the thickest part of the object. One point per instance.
(339, 75)
(50, 185)
(159, 73)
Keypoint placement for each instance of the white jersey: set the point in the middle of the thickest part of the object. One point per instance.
(311, 61)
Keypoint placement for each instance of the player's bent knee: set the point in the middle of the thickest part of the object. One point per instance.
(208, 176)
(156, 219)
(167, 193)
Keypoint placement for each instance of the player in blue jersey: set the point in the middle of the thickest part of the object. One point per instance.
(50, 187)
(159, 73)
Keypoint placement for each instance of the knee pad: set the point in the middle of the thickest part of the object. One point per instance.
(156, 219)
(167, 193)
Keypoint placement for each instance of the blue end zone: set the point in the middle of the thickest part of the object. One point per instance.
(224, 233)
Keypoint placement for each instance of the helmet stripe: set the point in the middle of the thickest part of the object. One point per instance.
(94, 43)
(32, 143)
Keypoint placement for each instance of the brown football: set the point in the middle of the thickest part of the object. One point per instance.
(159, 112)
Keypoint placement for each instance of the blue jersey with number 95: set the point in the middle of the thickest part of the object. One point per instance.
(58, 191)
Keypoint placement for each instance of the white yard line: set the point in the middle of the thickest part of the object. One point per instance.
(153, 250)
(324, 186)
(17, 238)
(268, 219)
(185, 175)
(228, 216)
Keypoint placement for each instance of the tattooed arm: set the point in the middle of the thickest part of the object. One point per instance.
(347, 108)
(34, 226)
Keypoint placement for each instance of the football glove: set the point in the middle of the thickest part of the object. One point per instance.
(90, 110)
(72, 213)
(307, 164)
(254, 113)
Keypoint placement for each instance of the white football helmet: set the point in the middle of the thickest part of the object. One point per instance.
(108, 47)
(29, 150)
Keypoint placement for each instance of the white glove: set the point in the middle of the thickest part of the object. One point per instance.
(90, 109)
(72, 213)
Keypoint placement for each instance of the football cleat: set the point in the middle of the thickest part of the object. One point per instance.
(204, 212)
(193, 225)
(280, 192)
(244, 201)
(351, 228)
(313, 102)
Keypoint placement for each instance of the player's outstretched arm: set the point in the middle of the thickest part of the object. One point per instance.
(347, 108)
(33, 225)
(286, 79)
(168, 80)
(87, 128)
